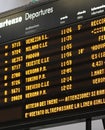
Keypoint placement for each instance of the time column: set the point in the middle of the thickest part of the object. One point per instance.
(66, 58)
(13, 72)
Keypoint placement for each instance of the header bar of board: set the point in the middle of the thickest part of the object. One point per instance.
(49, 15)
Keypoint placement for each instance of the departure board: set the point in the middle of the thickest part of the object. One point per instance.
(52, 64)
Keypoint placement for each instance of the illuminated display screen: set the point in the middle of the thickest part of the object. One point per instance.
(53, 74)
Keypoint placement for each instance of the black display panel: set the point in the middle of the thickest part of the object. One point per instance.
(52, 64)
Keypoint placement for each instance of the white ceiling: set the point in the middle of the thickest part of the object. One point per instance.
(6, 5)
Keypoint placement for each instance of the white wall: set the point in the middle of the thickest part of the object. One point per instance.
(96, 125)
